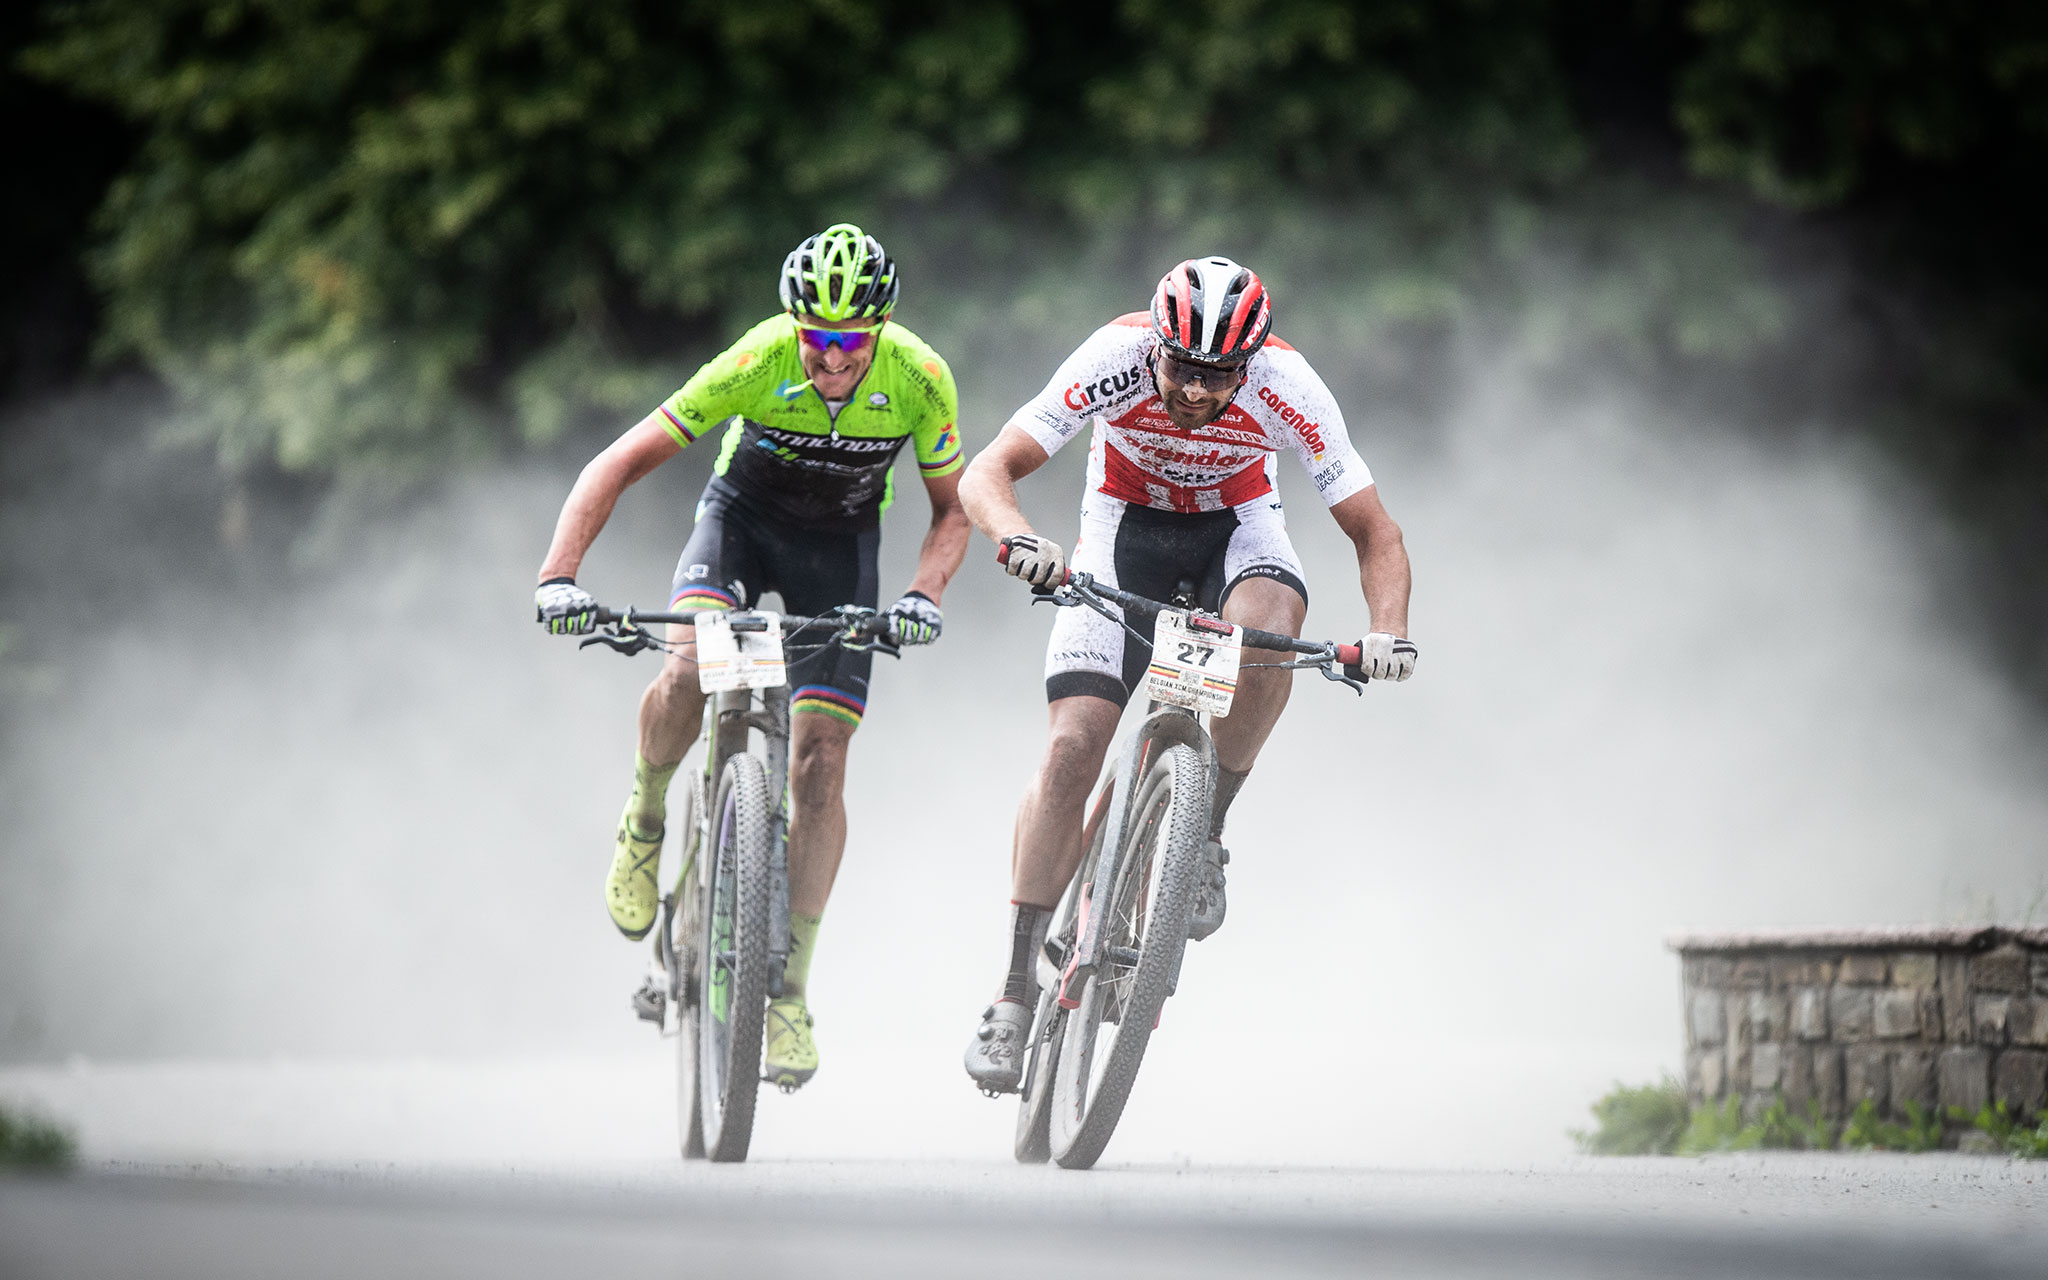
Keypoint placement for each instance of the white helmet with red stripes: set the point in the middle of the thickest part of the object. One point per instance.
(1211, 310)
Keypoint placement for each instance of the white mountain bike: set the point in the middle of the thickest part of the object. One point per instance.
(1113, 955)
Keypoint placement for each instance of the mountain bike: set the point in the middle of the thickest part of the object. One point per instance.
(1114, 953)
(723, 934)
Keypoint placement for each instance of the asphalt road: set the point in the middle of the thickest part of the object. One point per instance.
(1871, 1217)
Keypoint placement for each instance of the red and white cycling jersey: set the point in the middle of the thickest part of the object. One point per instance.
(1140, 456)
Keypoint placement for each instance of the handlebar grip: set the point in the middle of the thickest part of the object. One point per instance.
(1351, 655)
(1003, 558)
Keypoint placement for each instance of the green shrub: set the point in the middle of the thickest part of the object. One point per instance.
(2007, 1132)
(1865, 1132)
(1779, 1129)
(2030, 1144)
(1643, 1121)
(28, 1141)
(1656, 1119)
(1719, 1128)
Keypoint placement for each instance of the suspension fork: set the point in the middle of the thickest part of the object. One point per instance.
(772, 718)
(1165, 727)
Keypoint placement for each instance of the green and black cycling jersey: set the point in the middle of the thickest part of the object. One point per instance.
(790, 452)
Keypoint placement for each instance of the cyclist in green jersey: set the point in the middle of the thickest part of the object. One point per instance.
(815, 403)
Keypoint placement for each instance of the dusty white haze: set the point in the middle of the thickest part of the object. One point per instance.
(331, 889)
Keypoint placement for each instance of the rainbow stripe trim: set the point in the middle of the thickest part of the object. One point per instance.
(1212, 683)
(945, 453)
(683, 434)
(692, 599)
(830, 702)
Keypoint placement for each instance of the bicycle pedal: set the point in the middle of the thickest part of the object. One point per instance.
(650, 1002)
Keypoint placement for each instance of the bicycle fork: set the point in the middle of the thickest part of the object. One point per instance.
(1164, 728)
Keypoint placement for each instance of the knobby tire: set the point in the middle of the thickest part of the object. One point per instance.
(686, 943)
(736, 909)
(1151, 896)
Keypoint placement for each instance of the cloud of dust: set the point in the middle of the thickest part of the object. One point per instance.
(1671, 677)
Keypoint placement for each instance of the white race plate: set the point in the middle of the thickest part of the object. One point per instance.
(728, 659)
(1193, 668)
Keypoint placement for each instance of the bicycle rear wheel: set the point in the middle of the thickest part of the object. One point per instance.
(1147, 901)
(732, 961)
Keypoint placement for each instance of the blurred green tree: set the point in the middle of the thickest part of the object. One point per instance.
(363, 232)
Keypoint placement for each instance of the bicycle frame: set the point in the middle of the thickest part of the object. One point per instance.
(728, 719)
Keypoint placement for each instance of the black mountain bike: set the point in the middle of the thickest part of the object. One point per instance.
(1114, 953)
(723, 935)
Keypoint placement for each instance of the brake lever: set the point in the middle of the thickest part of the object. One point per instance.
(628, 641)
(876, 645)
(1337, 674)
(1114, 615)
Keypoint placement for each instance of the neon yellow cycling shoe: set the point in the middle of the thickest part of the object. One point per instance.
(630, 893)
(792, 1057)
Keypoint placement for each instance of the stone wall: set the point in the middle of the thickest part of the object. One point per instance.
(1940, 1015)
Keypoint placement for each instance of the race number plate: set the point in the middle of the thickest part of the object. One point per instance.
(1193, 666)
(728, 659)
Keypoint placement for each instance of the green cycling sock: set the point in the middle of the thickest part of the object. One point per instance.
(803, 936)
(647, 811)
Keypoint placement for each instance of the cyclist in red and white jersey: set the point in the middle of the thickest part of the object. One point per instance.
(1191, 405)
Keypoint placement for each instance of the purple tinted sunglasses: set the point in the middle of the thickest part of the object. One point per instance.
(849, 340)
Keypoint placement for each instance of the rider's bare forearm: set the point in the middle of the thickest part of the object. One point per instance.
(1384, 574)
(584, 514)
(945, 546)
(1382, 558)
(988, 488)
(639, 451)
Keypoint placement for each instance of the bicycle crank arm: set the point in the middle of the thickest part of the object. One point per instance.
(1077, 974)
(1073, 983)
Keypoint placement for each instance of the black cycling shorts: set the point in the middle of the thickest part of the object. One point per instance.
(1150, 553)
(737, 552)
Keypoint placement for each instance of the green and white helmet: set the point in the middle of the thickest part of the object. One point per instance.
(842, 273)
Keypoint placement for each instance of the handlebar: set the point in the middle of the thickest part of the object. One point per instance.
(862, 624)
(1084, 584)
(854, 625)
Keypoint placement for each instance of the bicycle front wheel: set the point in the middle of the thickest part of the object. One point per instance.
(1033, 1144)
(732, 963)
(1145, 929)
